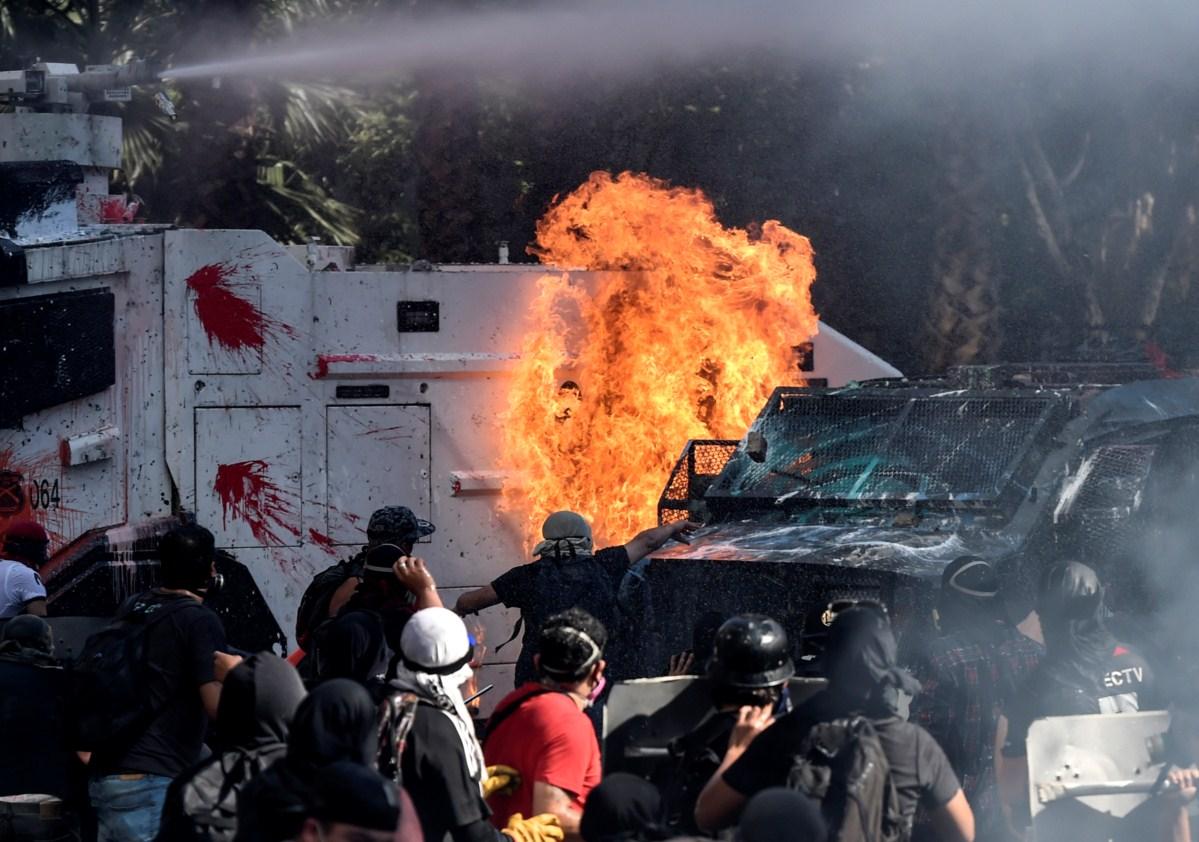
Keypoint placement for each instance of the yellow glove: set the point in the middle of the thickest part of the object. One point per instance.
(502, 779)
(543, 828)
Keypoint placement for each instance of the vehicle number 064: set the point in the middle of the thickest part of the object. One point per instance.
(44, 495)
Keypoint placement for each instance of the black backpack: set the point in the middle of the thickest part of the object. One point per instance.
(314, 604)
(109, 678)
(842, 764)
(202, 806)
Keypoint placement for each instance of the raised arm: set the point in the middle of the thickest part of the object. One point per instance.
(415, 576)
(646, 542)
(719, 805)
(472, 602)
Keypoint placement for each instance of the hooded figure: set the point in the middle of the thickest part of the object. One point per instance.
(781, 813)
(1077, 642)
(28, 638)
(258, 701)
(970, 604)
(624, 808)
(861, 664)
(1085, 671)
(337, 721)
(38, 755)
(353, 646)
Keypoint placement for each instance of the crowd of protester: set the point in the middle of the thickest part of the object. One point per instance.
(159, 729)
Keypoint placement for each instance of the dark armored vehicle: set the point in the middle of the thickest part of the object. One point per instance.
(867, 492)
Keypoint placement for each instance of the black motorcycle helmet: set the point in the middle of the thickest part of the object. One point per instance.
(1070, 591)
(751, 652)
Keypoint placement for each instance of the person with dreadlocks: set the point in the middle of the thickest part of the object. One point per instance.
(864, 680)
(979, 660)
(1085, 670)
(568, 573)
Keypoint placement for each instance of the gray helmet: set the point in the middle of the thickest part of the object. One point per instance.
(752, 652)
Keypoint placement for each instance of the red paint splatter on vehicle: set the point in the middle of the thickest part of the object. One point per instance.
(248, 493)
(322, 540)
(323, 361)
(115, 211)
(230, 321)
(21, 478)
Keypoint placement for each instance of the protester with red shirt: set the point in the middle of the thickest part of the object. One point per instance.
(540, 728)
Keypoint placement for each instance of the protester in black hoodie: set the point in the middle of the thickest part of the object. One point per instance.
(337, 721)
(624, 808)
(258, 702)
(37, 763)
(1085, 670)
(354, 646)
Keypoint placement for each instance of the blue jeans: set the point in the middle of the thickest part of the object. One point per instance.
(128, 810)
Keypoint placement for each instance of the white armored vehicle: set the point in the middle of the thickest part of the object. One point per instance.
(276, 393)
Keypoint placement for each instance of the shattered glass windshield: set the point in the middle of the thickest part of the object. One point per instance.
(885, 447)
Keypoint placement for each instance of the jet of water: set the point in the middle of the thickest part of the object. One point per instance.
(555, 45)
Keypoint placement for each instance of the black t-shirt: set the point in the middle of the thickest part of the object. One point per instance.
(1123, 683)
(437, 778)
(549, 586)
(37, 756)
(920, 770)
(179, 650)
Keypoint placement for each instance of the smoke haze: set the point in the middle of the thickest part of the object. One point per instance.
(943, 42)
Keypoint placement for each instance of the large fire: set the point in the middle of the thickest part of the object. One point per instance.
(685, 339)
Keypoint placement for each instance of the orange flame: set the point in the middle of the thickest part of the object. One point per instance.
(685, 340)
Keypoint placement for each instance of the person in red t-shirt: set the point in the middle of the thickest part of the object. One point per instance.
(540, 728)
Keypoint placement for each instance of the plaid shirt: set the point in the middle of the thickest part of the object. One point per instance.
(964, 683)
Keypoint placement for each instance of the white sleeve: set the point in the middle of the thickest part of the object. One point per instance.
(24, 585)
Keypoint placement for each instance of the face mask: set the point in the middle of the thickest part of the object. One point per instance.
(594, 695)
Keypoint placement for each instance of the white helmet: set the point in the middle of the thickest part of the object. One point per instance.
(435, 641)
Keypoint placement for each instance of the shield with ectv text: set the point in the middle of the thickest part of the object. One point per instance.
(12, 493)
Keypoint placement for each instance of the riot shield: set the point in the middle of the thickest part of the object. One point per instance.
(1090, 777)
(642, 716)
